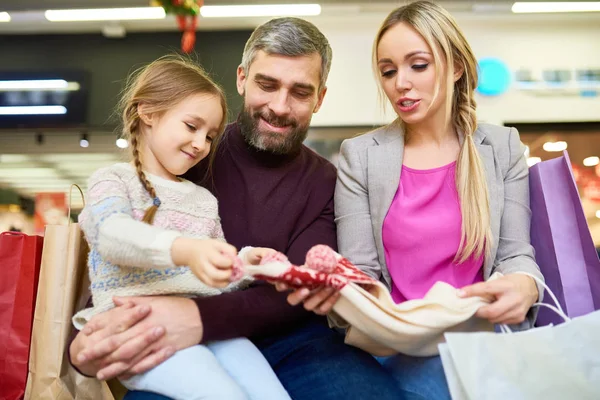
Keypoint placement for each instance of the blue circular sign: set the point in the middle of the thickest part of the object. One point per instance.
(494, 77)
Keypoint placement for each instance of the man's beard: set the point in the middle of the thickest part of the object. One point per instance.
(273, 142)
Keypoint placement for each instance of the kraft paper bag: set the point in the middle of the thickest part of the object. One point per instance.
(63, 289)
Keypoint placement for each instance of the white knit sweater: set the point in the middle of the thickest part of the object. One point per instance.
(131, 258)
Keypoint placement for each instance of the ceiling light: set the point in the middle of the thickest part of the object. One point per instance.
(38, 85)
(114, 30)
(33, 110)
(34, 84)
(84, 142)
(555, 146)
(105, 14)
(591, 161)
(122, 143)
(531, 161)
(260, 10)
(4, 17)
(556, 7)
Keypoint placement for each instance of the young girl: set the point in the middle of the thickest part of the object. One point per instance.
(435, 196)
(152, 233)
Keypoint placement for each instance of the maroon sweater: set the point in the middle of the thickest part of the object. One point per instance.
(284, 202)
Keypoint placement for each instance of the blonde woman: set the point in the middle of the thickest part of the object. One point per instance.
(434, 196)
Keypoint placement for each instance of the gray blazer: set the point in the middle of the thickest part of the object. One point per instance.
(369, 175)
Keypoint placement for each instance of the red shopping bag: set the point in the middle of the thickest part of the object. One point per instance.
(20, 258)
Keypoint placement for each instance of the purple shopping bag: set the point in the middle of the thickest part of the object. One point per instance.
(564, 248)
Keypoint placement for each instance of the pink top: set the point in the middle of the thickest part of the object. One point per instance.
(421, 234)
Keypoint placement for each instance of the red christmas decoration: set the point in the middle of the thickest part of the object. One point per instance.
(187, 25)
(187, 13)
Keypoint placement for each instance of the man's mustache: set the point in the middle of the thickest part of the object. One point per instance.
(275, 120)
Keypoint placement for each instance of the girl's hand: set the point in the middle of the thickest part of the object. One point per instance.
(210, 260)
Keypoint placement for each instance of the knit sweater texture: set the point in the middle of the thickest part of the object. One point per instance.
(131, 258)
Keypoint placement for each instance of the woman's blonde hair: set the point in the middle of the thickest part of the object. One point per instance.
(159, 86)
(451, 52)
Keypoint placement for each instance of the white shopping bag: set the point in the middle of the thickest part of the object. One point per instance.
(551, 363)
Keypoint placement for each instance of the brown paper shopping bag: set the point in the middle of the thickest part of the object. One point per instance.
(63, 289)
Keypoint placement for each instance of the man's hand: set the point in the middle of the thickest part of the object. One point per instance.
(137, 335)
(107, 331)
(320, 301)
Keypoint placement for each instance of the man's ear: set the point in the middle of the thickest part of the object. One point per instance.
(241, 80)
(147, 118)
(320, 100)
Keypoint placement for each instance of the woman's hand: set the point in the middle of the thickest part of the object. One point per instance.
(511, 298)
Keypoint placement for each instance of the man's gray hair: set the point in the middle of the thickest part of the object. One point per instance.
(292, 37)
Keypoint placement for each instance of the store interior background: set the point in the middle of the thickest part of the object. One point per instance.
(552, 97)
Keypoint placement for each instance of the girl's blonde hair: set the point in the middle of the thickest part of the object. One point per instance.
(159, 86)
(451, 52)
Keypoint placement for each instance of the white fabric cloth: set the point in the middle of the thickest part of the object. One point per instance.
(373, 321)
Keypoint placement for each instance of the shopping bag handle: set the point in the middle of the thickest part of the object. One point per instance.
(557, 309)
(12, 233)
(70, 199)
